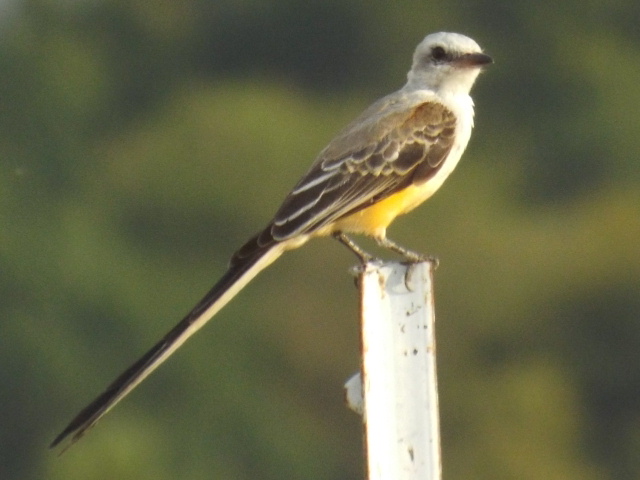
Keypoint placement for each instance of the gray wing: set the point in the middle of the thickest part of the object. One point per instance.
(366, 165)
(379, 154)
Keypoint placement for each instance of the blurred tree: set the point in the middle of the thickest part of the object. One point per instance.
(134, 140)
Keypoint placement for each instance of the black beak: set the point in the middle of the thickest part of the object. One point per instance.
(471, 60)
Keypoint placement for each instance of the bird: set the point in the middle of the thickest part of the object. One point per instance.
(386, 162)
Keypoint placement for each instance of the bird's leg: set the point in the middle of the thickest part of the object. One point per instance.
(363, 256)
(411, 256)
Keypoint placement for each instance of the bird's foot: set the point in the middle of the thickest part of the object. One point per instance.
(412, 258)
(364, 256)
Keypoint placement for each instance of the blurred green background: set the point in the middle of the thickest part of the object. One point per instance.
(136, 137)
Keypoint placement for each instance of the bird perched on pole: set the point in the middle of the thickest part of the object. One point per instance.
(386, 162)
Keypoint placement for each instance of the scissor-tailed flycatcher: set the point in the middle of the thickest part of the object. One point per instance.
(385, 163)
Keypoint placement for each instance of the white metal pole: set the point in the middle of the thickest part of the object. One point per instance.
(399, 383)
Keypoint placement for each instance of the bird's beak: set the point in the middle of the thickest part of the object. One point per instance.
(472, 60)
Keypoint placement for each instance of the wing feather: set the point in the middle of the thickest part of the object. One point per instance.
(382, 152)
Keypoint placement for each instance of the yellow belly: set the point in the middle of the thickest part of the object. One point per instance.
(375, 219)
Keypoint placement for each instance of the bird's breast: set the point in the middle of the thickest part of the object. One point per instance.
(375, 219)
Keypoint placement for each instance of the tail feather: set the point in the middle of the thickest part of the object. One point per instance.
(240, 272)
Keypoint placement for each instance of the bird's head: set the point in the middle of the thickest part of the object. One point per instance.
(447, 63)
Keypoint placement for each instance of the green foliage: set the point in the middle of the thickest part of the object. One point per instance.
(142, 141)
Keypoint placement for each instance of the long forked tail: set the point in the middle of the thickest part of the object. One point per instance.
(240, 272)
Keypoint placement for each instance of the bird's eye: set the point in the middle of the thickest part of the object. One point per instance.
(438, 53)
